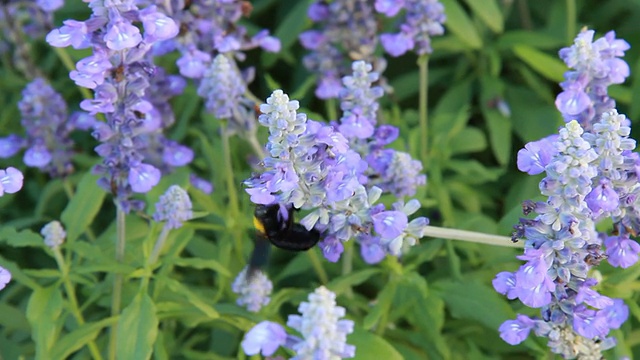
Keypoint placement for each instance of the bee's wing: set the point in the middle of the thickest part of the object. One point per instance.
(260, 255)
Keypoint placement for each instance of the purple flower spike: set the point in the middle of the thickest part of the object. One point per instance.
(10, 181)
(423, 19)
(174, 207)
(264, 338)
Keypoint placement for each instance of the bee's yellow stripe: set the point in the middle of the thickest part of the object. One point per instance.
(259, 225)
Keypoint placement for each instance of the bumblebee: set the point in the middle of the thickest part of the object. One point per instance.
(274, 224)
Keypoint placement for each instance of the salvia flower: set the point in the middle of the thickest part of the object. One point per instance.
(358, 101)
(323, 332)
(347, 31)
(562, 245)
(10, 180)
(44, 117)
(54, 234)
(174, 207)
(5, 277)
(423, 19)
(595, 66)
(120, 72)
(254, 290)
(211, 27)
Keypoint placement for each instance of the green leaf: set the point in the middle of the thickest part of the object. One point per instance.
(534, 39)
(499, 133)
(475, 301)
(460, 25)
(43, 311)
(137, 329)
(382, 306)
(473, 171)
(20, 239)
(371, 346)
(489, 12)
(288, 29)
(544, 64)
(468, 140)
(198, 263)
(342, 283)
(79, 337)
(192, 297)
(83, 207)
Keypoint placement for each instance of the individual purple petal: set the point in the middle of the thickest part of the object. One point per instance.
(536, 155)
(122, 35)
(175, 154)
(616, 314)
(264, 338)
(390, 224)
(621, 251)
(572, 102)
(193, 63)
(587, 324)
(201, 184)
(602, 198)
(312, 39)
(72, 33)
(328, 87)
(143, 177)
(514, 332)
(157, 26)
(318, 11)
(389, 8)
(37, 156)
(10, 180)
(5, 276)
(505, 284)
(396, 44)
(536, 296)
(10, 145)
(331, 248)
(371, 250)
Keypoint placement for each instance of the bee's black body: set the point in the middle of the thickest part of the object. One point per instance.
(275, 225)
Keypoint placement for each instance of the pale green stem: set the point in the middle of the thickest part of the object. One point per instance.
(116, 299)
(571, 20)
(347, 265)
(472, 236)
(232, 192)
(423, 65)
(63, 55)
(330, 105)
(162, 238)
(71, 295)
(317, 266)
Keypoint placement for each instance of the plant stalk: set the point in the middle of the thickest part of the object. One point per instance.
(116, 299)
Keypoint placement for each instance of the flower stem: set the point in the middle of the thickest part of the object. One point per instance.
(571, 20)
(332, 114)
(63, 55)
(234, 204)
(317, 266)
(347, 265)
(423, 65)
(116, 297)
(162, 238)
(472, 236)
(71, 295)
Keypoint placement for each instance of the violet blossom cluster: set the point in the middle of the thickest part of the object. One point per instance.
(210, 41)
(347, 31)
(422, 20)
(320, 324)
(591, 175)
(595, 66)
(120, 72)
(48, 144)
(254, 289)
(24, 18)
(391, 170)
(311, 166)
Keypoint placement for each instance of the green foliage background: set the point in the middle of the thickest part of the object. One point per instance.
(437, 303)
